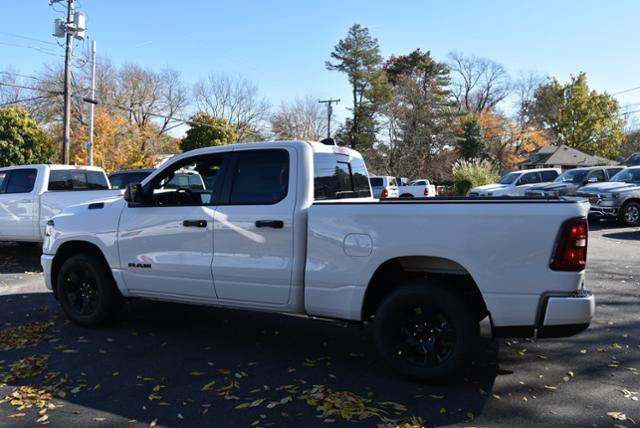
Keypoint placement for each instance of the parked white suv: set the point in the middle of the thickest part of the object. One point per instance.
(292, 227)
(516, 183)
(384, 187)
(32, 194)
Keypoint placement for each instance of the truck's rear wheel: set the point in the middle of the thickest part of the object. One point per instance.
(425, 332)
(86, 290)
(630, 213)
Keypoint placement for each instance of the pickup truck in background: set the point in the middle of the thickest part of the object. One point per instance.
(568, 183)
(292, 227)
(418, 189)
(516, 183)
(31, 194)
(617, 199)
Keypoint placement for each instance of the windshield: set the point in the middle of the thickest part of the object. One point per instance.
(572, 176)
(509, 178)
(627, 176)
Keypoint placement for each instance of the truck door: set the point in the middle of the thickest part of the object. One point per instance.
(166, 244)
(18, 204)
(253, 237)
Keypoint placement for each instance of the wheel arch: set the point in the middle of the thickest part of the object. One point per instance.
(71, 248)
(393, 272)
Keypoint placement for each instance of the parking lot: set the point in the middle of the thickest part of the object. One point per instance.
(178, 365)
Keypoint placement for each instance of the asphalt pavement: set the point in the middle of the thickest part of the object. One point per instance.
(179, 365)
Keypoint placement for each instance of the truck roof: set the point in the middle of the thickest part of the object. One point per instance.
(56, 167)
(316, 146)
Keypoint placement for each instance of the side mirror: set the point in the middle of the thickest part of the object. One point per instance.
(134, 194)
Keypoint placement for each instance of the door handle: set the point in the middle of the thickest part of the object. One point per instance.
(274, 224)
(194, 223)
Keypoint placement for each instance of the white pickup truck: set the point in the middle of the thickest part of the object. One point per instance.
(291, 227)
(418, 189)
(31, 194)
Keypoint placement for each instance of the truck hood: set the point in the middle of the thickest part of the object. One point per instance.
(98, 204)
(560, 188)
(609, 187)
(489, 188)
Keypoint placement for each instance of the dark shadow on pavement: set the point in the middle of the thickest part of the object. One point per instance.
(16, 258)
(193, 366)
(626, 236)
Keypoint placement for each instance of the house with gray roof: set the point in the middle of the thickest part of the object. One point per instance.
(562, 156)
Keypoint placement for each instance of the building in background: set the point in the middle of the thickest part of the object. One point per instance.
(563, 157)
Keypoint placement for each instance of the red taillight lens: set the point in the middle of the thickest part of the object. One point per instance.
(571, 251)
(384, 194)
(426, 191)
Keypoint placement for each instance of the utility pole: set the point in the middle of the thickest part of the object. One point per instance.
(92, 105)
(68, 57)
(329, 103)
(73, 26)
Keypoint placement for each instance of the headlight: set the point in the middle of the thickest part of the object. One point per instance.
(48, 229)
(610, 195)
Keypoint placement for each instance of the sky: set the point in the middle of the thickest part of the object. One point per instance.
(282, 46)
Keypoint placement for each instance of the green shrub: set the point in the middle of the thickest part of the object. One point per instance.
(473, 173)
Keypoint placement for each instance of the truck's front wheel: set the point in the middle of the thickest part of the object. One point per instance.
(86, 291)
(425, 332)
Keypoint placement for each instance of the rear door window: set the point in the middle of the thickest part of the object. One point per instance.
(529, 178)
(549, 175)
(610, 171)
(260, 177)
(21, 180)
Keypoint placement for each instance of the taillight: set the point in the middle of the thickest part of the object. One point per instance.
(384, 194)
(426, 191)
(571, 250)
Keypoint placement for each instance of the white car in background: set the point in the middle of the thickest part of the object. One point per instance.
(420, 188)
(384, 187)
(516, 183)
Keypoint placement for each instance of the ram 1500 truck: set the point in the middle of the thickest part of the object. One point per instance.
(31, 194)
(291, 227)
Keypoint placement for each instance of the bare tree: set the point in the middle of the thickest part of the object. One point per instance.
(10, 92)
(303, 119)
(525, 88)
(478, 84)
(235, 99)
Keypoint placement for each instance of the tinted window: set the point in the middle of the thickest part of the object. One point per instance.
(598, 174)
(393, 182)
(122, 180)
(337, 178)
(376, 182)
(3, 175)
(77, 180)
(529, 178)
(549, 175)
(610, 171)
(260, 177)
(21, 181)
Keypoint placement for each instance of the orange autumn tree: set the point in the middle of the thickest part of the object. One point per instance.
(118, 144)
(508, 143)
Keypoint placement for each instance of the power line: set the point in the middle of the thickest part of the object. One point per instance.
(9, 73)
(28, 38)
(626, 90)
(36, 48)
(23, 100)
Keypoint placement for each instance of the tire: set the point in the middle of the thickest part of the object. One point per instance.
(406, 195)
(630, 214)
(425, 332)
(86, 291)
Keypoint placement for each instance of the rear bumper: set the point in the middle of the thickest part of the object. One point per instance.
(46, 260)
(561, 316)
